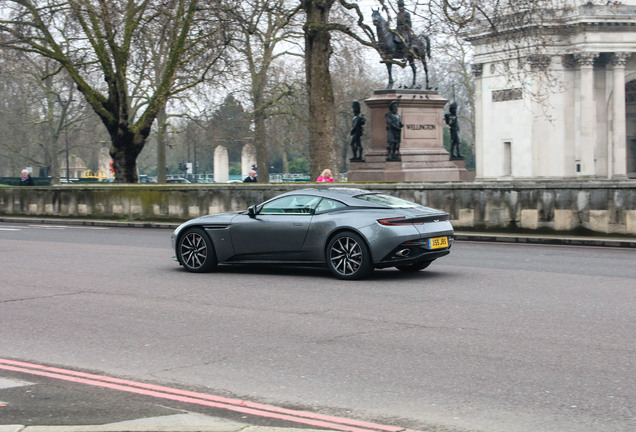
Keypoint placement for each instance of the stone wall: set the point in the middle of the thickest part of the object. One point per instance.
(605, 207)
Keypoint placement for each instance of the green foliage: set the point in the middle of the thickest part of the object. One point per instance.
(230, 126)
(299, 166)
(235, 168)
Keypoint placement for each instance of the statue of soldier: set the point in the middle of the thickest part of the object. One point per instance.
(404, 26)
(394, 133)
(356, 132)
(453, 124)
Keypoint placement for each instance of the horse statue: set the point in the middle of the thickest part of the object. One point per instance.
(391, 46)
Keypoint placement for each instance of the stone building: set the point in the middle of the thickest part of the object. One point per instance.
(76, 167)
(585, 127)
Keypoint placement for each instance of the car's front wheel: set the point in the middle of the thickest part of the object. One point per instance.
(196, 252)
(348, 256)
(414, 267)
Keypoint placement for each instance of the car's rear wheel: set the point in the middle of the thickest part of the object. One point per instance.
(196, 252)
(414, 267)
(348, 256)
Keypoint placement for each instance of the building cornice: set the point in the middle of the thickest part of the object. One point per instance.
(584, 19)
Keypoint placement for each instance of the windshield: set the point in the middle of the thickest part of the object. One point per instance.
(388, 201)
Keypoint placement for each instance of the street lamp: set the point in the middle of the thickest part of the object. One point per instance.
(67, 162)
(65, 105)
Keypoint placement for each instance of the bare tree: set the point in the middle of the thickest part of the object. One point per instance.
(317, 31)
(287, 131)
(37, 113)
(99, 45)
(268, 32)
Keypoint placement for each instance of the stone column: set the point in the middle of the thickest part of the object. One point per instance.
(617, 151)
(248, 158)
(588, 114)
(478, 70)
(221, 165)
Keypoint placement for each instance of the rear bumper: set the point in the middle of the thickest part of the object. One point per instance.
(426, 256)
(413, 252)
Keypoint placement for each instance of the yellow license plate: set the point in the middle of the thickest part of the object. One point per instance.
(437, 242)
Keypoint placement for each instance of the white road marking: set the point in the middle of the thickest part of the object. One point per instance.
(49, 227)
(6, 383)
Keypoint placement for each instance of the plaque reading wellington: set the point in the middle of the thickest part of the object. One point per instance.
(422, 127)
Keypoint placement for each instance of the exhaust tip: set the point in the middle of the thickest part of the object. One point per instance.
(403, 252)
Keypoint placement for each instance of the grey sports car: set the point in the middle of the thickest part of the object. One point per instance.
(350, 231)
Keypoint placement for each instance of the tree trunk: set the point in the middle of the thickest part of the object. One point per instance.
(260, 143)
(322, 123)
(162, 121)
(52, 160)
(285, 161)
(124, 150)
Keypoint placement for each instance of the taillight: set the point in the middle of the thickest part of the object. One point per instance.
(396, 221)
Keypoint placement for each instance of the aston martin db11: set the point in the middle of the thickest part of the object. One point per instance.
(349, 231)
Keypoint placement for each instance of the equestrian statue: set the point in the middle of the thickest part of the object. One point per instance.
(401, 44)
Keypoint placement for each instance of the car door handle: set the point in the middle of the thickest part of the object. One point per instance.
(297, 224)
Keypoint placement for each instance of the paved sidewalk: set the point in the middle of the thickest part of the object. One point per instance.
(147, 425)
(177, 423)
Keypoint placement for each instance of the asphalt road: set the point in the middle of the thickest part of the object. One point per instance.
(493, 337)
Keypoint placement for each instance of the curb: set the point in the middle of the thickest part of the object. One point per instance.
(615, 242)
(91, 222)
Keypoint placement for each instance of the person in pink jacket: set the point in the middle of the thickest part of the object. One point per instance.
(325, 176)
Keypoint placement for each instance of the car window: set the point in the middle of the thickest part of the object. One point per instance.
(387, 200)
(329, 204)
(291, 205)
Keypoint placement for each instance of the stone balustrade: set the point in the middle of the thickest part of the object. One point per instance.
(604, 207)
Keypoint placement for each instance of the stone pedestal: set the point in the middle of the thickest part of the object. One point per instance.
(422, 151)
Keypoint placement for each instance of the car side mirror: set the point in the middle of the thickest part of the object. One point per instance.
(251, 211)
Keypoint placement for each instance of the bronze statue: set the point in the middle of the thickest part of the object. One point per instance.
(356, 132)
(403, 25)
(393, 132)
(453, 124)
(401, 44)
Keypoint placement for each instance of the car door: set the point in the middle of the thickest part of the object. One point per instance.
(278, 230)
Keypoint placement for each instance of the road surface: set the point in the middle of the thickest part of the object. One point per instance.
(493, 337)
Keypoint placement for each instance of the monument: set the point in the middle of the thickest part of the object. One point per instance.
(420, 155)
(401, 44)
(407, 129)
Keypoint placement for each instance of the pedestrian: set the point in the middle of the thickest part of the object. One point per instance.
(325, 176)
(25, 179)
(251, 178)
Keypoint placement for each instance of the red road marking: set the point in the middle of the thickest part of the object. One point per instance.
(237, 405)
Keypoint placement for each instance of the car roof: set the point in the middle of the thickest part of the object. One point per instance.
(344, 194)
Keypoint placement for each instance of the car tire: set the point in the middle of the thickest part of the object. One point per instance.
(348, 256)
(414, 267)
(195, 251)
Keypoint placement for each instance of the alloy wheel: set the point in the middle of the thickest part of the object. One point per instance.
(348, 256)
(196, 252)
